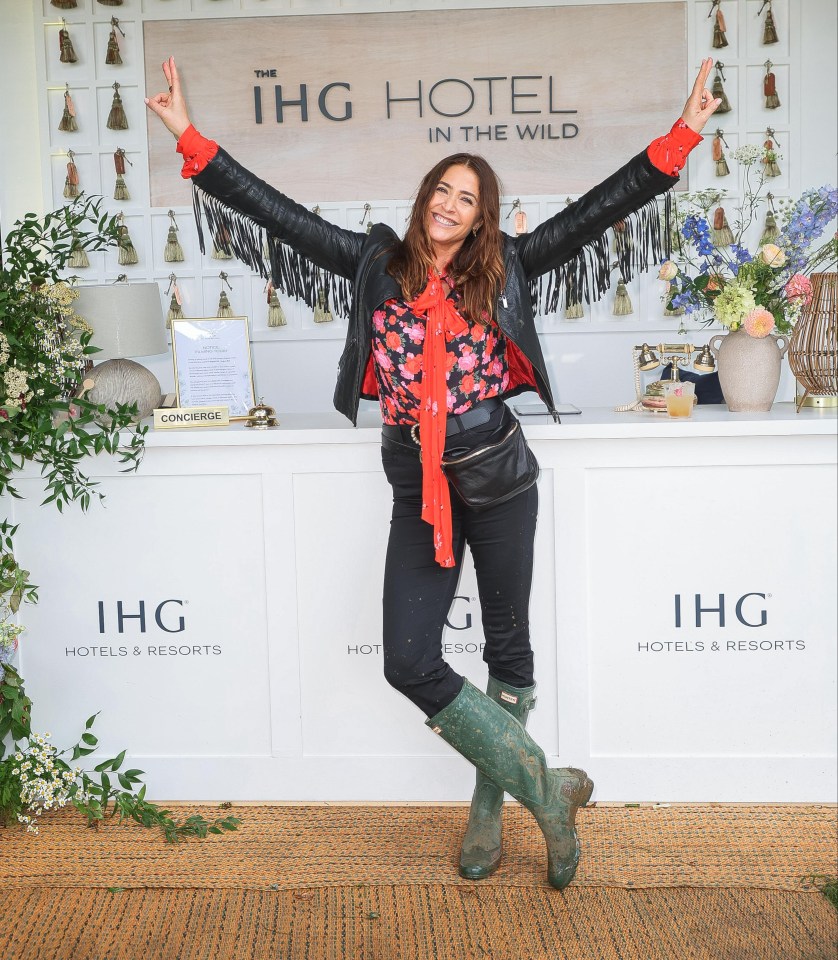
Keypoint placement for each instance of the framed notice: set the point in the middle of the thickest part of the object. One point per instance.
(213, 365)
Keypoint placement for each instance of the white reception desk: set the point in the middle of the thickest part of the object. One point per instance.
(222, 610)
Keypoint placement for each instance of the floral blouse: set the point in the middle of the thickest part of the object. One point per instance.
(476, 362)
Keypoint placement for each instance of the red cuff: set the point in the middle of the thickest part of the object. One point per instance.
(669, 153)
(197, 151)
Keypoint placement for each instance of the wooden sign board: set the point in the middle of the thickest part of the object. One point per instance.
(360, 106)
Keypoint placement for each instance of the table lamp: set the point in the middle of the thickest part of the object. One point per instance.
(127, 321)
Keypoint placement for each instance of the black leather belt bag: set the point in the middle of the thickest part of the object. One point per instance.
(485, 475)
(493, 472)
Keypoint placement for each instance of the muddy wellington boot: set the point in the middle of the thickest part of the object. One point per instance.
(502, 750)
(481, 852)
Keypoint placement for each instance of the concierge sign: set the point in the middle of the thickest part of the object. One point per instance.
(360, 106)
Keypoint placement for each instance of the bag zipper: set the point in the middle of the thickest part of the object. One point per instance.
(482, 451)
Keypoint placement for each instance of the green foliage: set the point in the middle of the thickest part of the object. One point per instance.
(38, 777)
(45, 420)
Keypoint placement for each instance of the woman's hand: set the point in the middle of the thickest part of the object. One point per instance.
(700, 106)
(171, 107)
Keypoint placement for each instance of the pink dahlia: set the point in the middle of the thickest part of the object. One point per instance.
(759, 322)
(799, 288)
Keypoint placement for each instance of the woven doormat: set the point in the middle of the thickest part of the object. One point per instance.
(777, 847)
(417, 922)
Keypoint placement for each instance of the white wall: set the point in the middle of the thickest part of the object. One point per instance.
(589, 360)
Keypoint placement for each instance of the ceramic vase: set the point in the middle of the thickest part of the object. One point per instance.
(749, 369)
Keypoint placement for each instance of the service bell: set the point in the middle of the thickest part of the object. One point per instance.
(261, 416)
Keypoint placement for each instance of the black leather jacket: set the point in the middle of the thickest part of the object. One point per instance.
(567, 255)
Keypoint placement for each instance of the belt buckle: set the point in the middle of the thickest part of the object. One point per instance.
(414, 436)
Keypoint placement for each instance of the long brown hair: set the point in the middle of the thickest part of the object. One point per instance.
(477, 269)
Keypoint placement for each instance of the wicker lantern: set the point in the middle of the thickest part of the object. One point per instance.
(813, 352)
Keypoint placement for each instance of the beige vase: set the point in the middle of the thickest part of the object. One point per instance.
(749, 369)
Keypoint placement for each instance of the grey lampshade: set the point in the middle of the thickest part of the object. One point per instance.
(127, 319)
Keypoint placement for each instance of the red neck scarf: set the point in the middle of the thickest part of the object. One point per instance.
(443, 323)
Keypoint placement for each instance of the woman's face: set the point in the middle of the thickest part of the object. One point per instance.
(453, 210)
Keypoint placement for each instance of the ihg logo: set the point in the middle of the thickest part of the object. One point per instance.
(169, 621)
(746, 610)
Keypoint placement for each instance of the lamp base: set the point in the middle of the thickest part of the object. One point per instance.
(124, 381)
(820, 401)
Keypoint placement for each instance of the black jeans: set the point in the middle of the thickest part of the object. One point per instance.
(418, 592)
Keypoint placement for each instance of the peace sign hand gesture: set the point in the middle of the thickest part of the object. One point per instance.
(171, 107)
(700, 106)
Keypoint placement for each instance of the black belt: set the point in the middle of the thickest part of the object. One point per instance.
(475, 416)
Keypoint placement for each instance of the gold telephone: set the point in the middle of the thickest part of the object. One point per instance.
(644, 358)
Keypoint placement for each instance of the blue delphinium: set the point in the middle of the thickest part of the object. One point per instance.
(697, 231)
(807, 220)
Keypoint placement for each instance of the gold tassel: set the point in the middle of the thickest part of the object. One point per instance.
(276, 315)
(719, 92)
(65, 45)
(120, 191)
(116, 118)
(78, 257)
(224, 308)
(113, 56)
(622, 301)
(771, 230)
(719, 26)
(721, 234)
(322, 313)
(722, 169)
(769, 159)
(574, 311)
(127, 250)
(175, 311)
(221, 245)
(174, 251)
(769, 88)
(68, 117)
(71, 181)
(769, 29)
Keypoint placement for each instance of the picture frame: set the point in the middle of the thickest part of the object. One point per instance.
(213, 364)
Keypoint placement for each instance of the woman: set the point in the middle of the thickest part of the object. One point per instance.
(440, 330)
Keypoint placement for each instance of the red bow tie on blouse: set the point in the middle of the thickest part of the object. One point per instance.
(442, 323)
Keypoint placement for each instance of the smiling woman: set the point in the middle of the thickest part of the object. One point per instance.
(441, 330)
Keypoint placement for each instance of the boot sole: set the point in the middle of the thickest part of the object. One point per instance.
(480, 873)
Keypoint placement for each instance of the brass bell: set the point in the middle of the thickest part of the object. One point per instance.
(648, 358)
(705, 362)
(261, 416)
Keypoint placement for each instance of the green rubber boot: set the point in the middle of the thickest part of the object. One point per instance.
(482, 848)
(496, 743)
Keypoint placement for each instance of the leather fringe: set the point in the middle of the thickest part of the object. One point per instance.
(292, 274)
(646, 241)
(586, 277)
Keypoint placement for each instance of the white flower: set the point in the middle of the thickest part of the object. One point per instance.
(747, 154)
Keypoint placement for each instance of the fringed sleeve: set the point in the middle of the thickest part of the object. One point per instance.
(305, 256)
(567, 259)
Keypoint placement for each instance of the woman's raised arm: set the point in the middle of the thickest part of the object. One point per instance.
(230, 197)
(585, 221)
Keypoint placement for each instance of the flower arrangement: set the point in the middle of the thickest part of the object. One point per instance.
(712, 274)
(45, 419)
